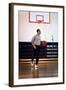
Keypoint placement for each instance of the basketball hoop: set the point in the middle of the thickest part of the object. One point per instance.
(39, 21)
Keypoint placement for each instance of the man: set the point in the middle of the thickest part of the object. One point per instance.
(36, 41)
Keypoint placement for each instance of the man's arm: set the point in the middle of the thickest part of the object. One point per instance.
(33, 44)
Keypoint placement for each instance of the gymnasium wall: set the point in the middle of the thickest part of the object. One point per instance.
(26, 30)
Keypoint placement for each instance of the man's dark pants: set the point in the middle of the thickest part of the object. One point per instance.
(36, 53)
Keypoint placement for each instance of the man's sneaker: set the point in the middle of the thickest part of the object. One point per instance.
(32, 64)
(36, 67)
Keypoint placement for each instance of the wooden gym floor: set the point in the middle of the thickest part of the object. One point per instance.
(46, 68)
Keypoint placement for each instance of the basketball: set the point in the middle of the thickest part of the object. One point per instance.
(43, 43)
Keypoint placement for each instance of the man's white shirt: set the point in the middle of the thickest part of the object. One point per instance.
(36, 38)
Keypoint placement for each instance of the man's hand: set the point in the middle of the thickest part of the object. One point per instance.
(33, 44)
(34, 47)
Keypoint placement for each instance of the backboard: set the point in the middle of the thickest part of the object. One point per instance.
(39, 17)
